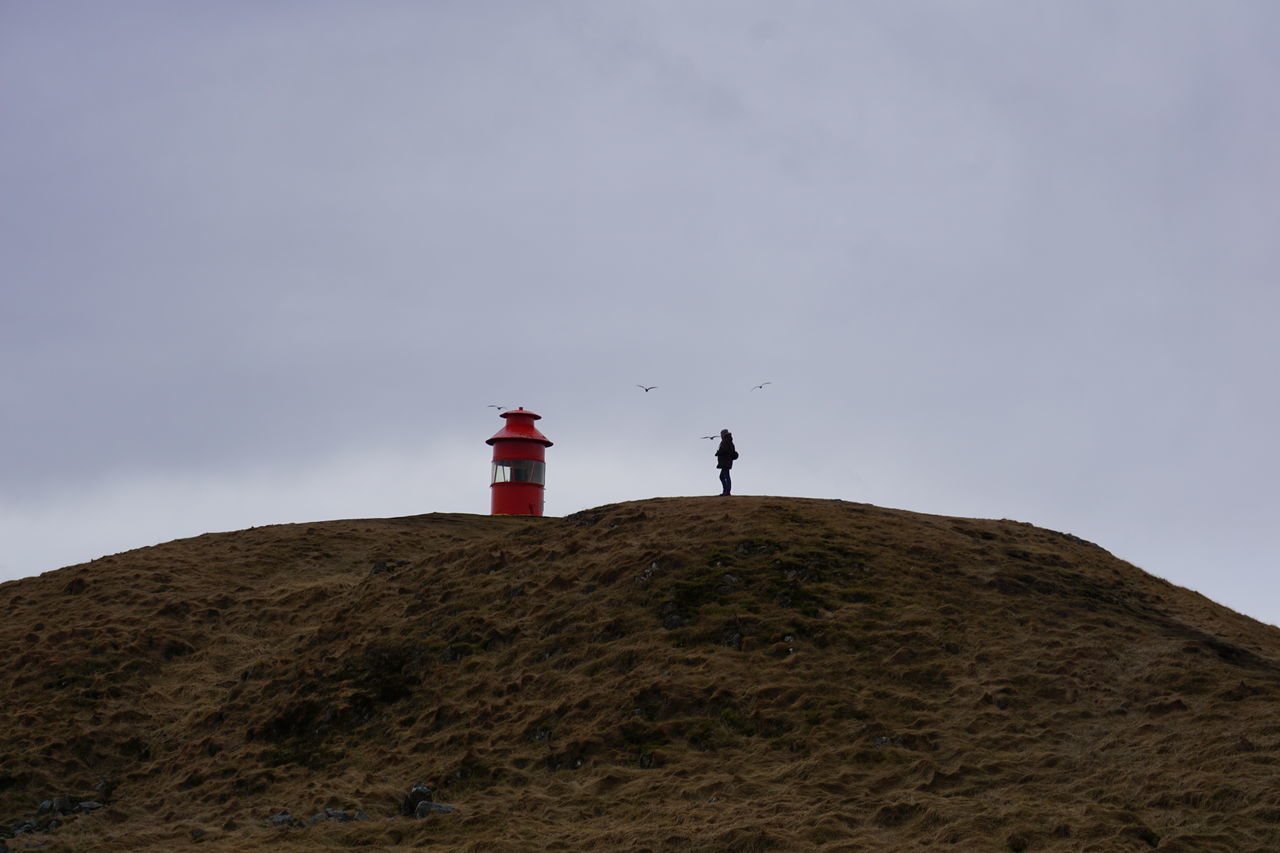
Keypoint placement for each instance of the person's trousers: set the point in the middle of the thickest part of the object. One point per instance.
(725, 482)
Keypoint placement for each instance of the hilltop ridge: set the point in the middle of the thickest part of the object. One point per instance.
(670, 674)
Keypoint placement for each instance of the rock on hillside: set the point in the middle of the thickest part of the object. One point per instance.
(683, 674)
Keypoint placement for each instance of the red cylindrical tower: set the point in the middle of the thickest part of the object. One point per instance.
(519, 465)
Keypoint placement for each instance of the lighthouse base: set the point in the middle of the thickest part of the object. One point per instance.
(516, 499)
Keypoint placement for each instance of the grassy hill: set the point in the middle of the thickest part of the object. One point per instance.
(681, 674)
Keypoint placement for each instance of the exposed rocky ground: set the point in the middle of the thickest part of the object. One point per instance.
(683, 674)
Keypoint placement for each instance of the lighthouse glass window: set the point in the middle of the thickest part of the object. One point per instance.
(519, 471)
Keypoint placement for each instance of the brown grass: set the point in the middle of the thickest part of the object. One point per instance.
(683, 674)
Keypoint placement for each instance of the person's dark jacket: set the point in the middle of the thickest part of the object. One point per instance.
(725, 454)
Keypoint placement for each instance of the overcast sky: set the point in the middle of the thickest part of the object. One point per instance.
(268, 262)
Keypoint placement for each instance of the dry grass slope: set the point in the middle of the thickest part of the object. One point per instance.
(683, 674)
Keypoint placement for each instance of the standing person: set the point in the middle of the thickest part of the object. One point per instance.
(725, 454)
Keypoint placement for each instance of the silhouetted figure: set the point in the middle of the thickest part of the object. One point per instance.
(725, 454)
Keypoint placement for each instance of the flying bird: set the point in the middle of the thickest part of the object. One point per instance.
(499, 408)
(761, 386)
(647, 388)
(712, 437)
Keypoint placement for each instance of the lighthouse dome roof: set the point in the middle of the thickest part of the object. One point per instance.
(519, 426)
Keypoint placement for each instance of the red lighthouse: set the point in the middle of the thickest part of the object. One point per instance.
(519, 465)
